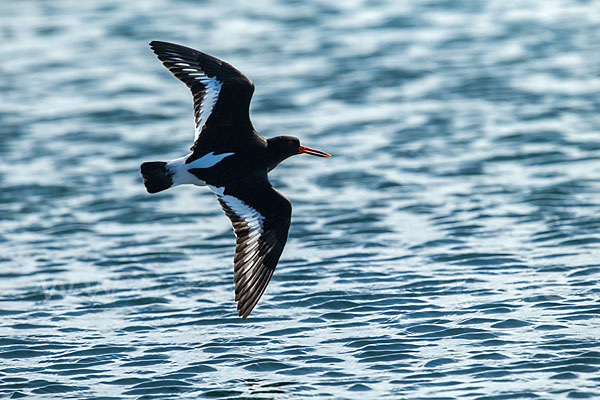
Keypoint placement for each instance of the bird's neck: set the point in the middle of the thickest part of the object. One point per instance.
(274, 155)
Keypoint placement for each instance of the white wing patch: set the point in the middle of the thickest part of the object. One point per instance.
(212, 87)
(251, 217)
(259, 243)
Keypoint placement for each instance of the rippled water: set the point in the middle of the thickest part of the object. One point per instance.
(449, 249)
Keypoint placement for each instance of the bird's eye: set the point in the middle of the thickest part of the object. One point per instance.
(291, 142)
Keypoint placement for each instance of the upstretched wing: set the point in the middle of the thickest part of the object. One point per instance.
(221, 93)
(260, 216)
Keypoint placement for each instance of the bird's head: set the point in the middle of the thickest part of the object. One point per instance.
(281, 147)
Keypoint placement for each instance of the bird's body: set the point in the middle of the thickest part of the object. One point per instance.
(233, 160)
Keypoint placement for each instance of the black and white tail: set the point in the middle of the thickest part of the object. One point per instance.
(156, 176)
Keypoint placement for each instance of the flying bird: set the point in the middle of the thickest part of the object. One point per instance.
(233, 160)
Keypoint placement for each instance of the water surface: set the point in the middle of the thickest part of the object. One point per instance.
(449, 249)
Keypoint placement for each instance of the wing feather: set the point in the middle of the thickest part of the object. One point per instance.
(261, 219)
(220, 91)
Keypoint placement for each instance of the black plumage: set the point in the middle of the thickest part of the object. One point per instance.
(231, 158)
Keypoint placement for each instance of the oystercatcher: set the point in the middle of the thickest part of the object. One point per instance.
(233, 160)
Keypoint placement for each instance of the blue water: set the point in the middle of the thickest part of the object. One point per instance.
(449, 249)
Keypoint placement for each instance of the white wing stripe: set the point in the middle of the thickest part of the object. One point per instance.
(213, 87)
(253, 246)
(253, 240)
(249, 257)
(251, 216)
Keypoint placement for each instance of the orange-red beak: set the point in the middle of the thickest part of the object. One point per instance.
(313, 152)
